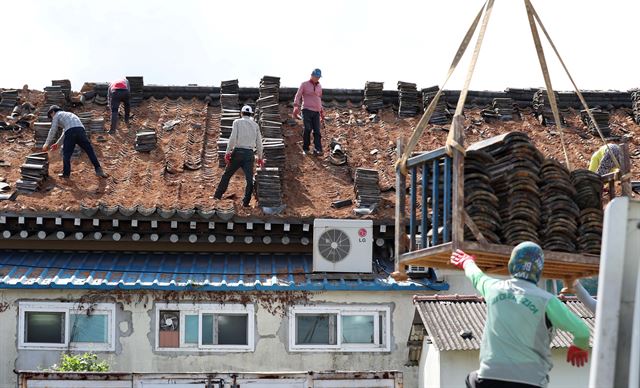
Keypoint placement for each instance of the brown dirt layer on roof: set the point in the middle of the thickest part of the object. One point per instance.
(311, 183)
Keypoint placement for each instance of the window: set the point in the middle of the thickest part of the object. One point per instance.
(204, 327)
(339, 328)
(46, 325)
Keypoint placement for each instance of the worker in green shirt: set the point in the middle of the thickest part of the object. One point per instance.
(602, 160)
(515, 350)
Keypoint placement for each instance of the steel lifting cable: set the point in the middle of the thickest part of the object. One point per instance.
(532, 11)
(424, 120)
(547, 79)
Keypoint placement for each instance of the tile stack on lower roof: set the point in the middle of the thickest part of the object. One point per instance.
(34, 172)
(373, 96)
(53, 95)
(136, 90)
(441, 114)
(65, 86)
(229, 103)
(268, 108)
(408, 96)
(8, 98)
(635, 105)
(503, 109)
(367, 188)
(269, 188)
(602, 119)
(146, 140)
(542, 108)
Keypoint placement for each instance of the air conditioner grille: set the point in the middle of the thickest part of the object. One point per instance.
(334, 245)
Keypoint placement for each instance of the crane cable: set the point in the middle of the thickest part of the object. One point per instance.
(531, 12)
(401, 164)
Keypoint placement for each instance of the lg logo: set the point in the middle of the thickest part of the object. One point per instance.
(363, 235)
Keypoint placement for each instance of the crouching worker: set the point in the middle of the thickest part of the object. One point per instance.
(515, 350)
(73, 133)
(245, 137)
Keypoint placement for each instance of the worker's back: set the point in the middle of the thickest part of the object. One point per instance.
(516, 338)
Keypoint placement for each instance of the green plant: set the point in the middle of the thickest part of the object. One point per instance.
(87, 362)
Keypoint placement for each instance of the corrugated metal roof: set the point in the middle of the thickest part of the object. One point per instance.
(184, 271)
(446, 317)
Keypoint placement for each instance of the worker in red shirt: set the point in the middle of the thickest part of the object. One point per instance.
(119, 93)
(309, 96)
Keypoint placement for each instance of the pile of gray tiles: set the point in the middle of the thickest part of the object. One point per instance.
(373, 96)
(408, 96)
(34, 172)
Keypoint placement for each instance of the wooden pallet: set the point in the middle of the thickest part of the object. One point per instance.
(493, 259)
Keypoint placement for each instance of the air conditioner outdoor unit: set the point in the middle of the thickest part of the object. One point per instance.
(342, 245)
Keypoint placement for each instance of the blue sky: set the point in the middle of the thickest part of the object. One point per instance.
(352, 41)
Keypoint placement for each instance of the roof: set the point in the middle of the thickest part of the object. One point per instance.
(179, 271)
(161, 179)
(446, 316)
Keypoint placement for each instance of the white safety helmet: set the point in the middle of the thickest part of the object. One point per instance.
(247, 109)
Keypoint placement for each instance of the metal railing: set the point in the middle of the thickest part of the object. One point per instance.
(434, 188)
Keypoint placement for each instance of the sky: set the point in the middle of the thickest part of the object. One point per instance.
(352, 41)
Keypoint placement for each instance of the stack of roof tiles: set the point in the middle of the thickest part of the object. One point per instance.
(588, 186)
(65, 86)
(146, 140)
(229, 103)
(542, 108)
(559, 217)
(34, 172)
(8, 98)
(480, 200)
(54, 95)
(516, 176)
(408, 95)
(268, 108)
(441, 114)
(501, 109)
(367, 188)
(635, 105)
(602, 119)
(136, 90)
(269, 187)
(373, 96)
(41, 131)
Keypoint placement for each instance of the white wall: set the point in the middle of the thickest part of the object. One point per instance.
(134, 348)
(455, 365)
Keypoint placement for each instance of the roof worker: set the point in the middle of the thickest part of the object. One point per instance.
(245, 137)
(119, 92)
(309, 96)
(73, 133)
(515, 349)
(602, 160)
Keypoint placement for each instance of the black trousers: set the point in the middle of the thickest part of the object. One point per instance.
(73, 136)
(473, 381)
(119, 96)
(311, 120)
(240, 158)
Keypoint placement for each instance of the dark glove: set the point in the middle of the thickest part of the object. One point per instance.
(459, 258)
(577, 356)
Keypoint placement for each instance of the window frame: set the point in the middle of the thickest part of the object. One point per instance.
(68, 309)
(344, 310)
(205, 308)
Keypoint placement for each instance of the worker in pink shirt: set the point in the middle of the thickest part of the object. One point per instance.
(119, 92)
(309, 96)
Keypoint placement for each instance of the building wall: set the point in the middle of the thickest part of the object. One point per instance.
(135, 347)
(449, 369)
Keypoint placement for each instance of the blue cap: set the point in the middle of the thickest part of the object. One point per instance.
(316, 73)
(527, 261)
